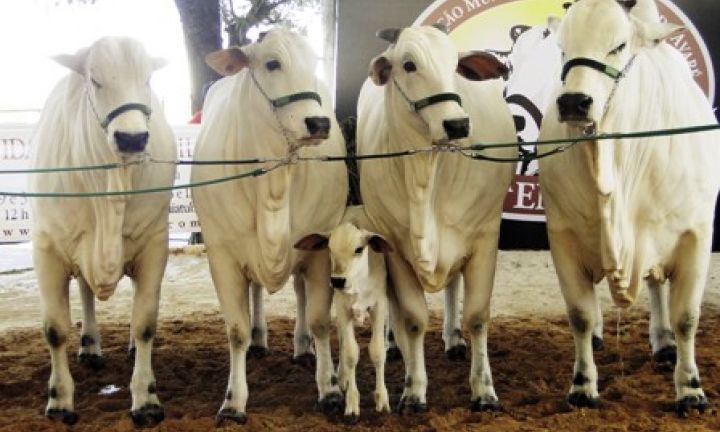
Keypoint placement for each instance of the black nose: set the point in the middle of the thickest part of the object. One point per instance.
(131, 142)
(457, 128)
(574, 105)
(338, 283)
(519, 123)
(318, 126)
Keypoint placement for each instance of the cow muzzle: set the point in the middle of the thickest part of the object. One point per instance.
(338, 283)
(318, 127)
(457, 128)
(131, 142)
(574, 108)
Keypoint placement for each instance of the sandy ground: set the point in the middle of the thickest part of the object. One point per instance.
(530, 350)
(525, 284)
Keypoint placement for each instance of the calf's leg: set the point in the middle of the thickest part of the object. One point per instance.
(455, 347)
(259, 334)
(90, 353)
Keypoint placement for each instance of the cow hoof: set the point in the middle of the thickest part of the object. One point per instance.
(92, 361)
(456, 353)
(581, 400)
(485, 404)
(230, 415)
(333, 404)
(689, 403)
(666, 354)
(306, 361)
(393, 354)
(148, 416)
(597, 343)
(351, 419)
(411, 405)
(257, 352)
(63, 415)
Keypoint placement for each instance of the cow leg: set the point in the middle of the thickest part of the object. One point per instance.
(234, 297)
(581, 303)
(455, 346)
(479, 274)
(597, 333)
(319, 302)
(393, 352)
(54, 287)
(410, 318)
(148, 272)
(662, 339)
(687, 286)
(90, 354)
(303, 351)
(258, 345)
(349, 353)
(378, 315)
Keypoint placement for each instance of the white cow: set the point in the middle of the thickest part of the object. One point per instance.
(99, 114)
(359, 277)
(441, 211)
(635, 211)
(270, 106)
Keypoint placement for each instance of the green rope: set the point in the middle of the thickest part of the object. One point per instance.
(254, 173)
(261, 171)
(603, 136)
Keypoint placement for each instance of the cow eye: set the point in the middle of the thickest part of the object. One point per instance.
(272, 65)
(95, 83)
(409, 66)
(359, 250)
(618, 49)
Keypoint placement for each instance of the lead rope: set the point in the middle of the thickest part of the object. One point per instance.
(292, 148)
(623, 74)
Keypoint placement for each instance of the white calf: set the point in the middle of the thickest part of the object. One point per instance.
(359, 277)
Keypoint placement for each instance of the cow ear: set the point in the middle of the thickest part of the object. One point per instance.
(652, 34)
(378, 243)
(157, 63)
(313, 242)
(480, 66)
(228, 61)
(74, 62)
(380, 69)
(390, 35)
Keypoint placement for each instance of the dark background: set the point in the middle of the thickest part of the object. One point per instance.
(357, 45)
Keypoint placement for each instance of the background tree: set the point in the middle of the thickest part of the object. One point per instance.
(202, 23)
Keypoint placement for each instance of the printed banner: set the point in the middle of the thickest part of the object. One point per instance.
(15, 216)
(516, 32)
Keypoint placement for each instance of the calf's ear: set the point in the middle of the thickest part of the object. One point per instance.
(378, 243)
(313, 242)
(227, 61)
(480, 66)
(74, 62)
(380, 69)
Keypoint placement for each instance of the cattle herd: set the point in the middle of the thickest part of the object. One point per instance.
(634, 212)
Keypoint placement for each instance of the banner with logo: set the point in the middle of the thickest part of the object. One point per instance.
(15, 153)
(516, 31)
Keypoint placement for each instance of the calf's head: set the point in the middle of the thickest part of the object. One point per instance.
(421, 64)
(116, 74)
(349, 263)
(281, 66)
(599, 40)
